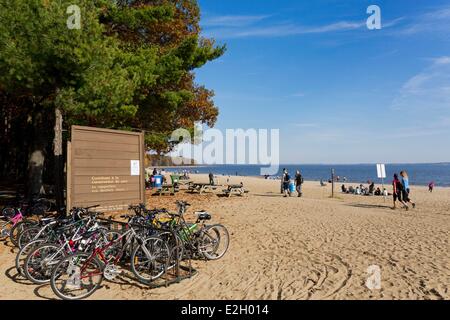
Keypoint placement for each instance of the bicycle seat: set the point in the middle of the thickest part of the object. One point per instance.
(203, 216)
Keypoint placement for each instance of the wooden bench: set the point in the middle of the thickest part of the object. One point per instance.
(203, 187)
(184, 183)
(236, 190)
(167, 189)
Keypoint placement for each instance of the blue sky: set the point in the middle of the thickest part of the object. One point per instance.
(339, 92)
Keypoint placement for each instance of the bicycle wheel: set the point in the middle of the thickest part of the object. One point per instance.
(40, 262)
(8, 213)
(23, 253)
(5, 228)
(149, 261)
(213, 242)
(18, 228)
(76, 277)
(27, 236)
(173, 241)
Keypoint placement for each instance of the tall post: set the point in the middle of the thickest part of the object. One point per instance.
(332, 183)
(58, 154)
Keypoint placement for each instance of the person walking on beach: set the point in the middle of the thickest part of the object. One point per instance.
(431, 187)
(398, 192)
(298, 183)
(286, 181)
(282, 181)
(406, 190)
(211, 178)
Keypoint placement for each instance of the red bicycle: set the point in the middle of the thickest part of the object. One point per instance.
(79, 276)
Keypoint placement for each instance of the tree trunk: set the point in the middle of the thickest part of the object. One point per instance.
(36, 157)
(58, 154)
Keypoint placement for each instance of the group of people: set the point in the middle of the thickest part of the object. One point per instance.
(365, 191)
(286, 182)
(402, 191)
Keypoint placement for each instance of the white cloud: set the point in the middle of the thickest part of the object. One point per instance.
(232, 21)
(441, 13)
(442, 60)
(242, 26)
(228, 27)
(427, 90)
(436, 22)
(392, 23)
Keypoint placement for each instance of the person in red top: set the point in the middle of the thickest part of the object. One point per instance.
(398, 191)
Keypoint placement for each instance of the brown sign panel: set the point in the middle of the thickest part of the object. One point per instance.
(106, 168)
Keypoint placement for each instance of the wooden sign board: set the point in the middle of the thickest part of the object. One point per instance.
(105, 167)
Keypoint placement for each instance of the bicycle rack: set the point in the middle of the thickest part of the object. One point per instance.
(182, 270)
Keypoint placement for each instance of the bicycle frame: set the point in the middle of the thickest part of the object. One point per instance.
(100, 252)
(81, 223)
(12, 221)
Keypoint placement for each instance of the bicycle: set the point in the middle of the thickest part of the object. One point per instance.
(41, 259)
(41, 228)
(79, 276)
(199, 239)
(8, 221)
(48, 233)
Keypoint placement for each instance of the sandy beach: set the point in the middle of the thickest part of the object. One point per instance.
(313, 247)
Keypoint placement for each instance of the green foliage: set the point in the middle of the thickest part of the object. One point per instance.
(129, 66)
(136, 18)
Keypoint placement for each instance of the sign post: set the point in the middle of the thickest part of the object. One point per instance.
(381, 172)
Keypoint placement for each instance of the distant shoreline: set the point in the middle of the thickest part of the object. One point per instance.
(312, 164)
(420, 174)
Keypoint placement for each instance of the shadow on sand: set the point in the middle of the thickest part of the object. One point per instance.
(369, 206)
(13, 275)
(269, 195)
(38, 294)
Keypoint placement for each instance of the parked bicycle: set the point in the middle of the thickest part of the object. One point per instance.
(79, 276)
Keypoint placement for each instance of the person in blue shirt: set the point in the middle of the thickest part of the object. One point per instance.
(406, 189)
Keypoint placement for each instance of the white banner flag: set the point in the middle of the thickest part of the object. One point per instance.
(381, 171)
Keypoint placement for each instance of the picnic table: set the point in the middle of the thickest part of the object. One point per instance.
(203, 187)
(167, 189)
(184, 182)
(237, 189)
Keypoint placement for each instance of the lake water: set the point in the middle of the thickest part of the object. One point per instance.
(419, 174)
